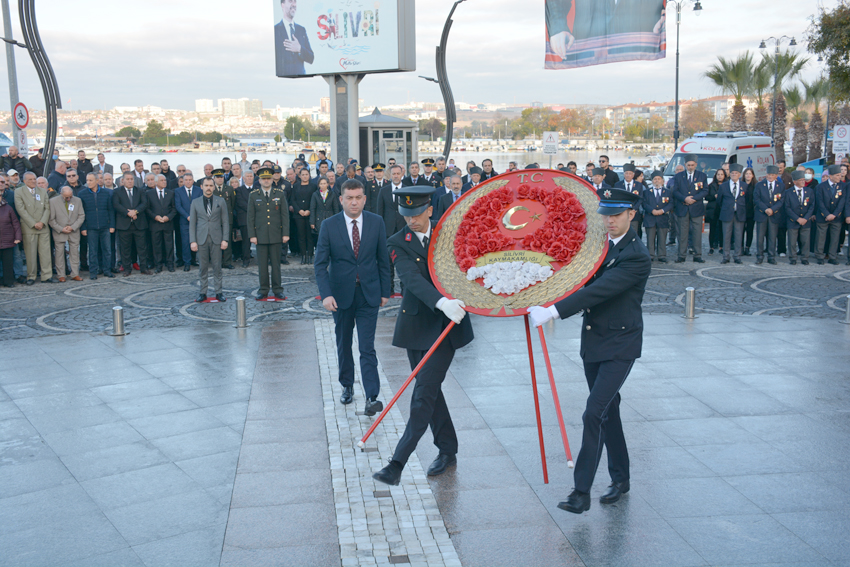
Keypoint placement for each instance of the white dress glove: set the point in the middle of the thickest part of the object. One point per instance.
(539, 315)
(453, 308)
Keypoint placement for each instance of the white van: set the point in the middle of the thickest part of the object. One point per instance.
(713, 149)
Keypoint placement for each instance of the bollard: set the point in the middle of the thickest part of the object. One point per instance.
(846, 320)
(118, 322)
(690, 303)
(241, 314)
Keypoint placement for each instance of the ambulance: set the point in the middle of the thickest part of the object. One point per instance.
(713, 149)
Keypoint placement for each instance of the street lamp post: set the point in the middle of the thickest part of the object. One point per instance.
(697, 10)
(762, 46)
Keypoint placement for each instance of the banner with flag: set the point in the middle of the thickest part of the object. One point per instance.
(580, 33)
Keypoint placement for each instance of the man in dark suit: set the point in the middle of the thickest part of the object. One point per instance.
(657, 202)
(243, 193)
(129, 203)
(209, 225)
(414, 178)
(353, 274)
(183, 197)
(769, 213)
(597, 179)
(732, 207)
(455, 186)
(423, 316)
(161, 212)
(830, 199)
(291, 44)
(799, 216)
(474, 176)
(690, 188)
(387, 208)
(629, 184)
(611, 340)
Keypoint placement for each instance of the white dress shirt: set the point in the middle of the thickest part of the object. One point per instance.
(349, 226)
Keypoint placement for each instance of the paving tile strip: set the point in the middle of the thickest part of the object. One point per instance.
(378, 525)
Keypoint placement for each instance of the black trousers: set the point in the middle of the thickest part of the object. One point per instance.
(366, 317)
(748, 232)
(269, 254)
(302, 224)
(602, 425)
(428, 406)
(7, 260)
(178, 240)
(163, 247)
(126, 239)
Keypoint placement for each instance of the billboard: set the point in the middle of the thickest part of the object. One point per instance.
(580, 33)
(330, 37)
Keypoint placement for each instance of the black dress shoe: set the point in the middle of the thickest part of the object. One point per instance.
(93, 277)
(220, 297)
(285, 261)
(699, 260)
(201, 298)
(170, 268)
(195, 263)
(347, 395)
(833, 262)
(50, 280)
(663, 260)
(793, 262)
(390, 474)
(820, 262)
(179, 263)
(30, 282)
(262, 296)
(109, 274)
(21, 279)
(577, 502)
(147, 273)
(245, 263)
(373, 406)
(186, 267)
(772, 262)
(759, 260)
(738, 261)
(805, 262)
(680, 260)
(228, 266)
(158, 269)
(615, 490)
(441, 463)
(724, 261)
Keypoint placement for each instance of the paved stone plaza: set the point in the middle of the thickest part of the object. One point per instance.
(189, 442)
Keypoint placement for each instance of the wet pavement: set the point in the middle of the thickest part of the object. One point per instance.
(206, 445)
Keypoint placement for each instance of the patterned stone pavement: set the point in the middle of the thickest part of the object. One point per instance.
(166, 300)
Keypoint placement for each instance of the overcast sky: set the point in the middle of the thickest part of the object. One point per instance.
(170, 52)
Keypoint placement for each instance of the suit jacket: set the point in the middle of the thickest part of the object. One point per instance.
(682, 189)
(107, 168)
(288, 63)
(241, 205)
(74, 217)
(388, 210)
(121, 203)
(613, 320)
(32, 209)
(139, 183)
(373, 192)
(336, 268)
(830, 201)
(164, 208)
(730, 208)
(215, 225)
(446, 201)
(637, 189)
(794, 209)
(419, 322)
(183, 202)
(650, 203)
(420, 180)
(764, 199)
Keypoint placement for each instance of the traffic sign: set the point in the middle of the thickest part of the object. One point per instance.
(550, 143)
(841, 140)
(22, 141)
(22, 116)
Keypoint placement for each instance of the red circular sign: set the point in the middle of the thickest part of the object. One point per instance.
(21, 115)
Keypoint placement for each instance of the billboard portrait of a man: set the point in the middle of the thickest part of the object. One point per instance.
(291, 44)
(591, 32)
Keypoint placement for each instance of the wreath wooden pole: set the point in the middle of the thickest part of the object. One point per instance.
(555, 397)
(536, 402)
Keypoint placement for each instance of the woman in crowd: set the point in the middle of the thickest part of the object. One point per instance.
(712, 213)
(10, 236)
(302, 193)
(750, 187)
(323, 205)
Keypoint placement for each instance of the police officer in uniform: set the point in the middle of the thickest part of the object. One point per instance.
(431, 178)
(423, 316)
(374, 186)
(226, 192)
(611, 340)
(268, 229)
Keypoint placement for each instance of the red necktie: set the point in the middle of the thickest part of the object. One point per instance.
(355, 238)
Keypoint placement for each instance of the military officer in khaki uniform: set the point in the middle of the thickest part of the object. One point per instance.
(226, 192)
(268, 229)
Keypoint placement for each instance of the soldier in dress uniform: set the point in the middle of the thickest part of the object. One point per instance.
(268, 229)
(611, 340)
(629, 184)
(830, 209)
(423, 315)
(799, 216)
(732, 204)
(769, 213)
(431, 178)
(374, 186)
(226, 192)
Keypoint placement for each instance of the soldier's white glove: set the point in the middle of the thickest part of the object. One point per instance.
(539, 315)
(453, 308)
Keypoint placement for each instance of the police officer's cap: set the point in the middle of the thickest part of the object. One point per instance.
(615, 201)
(413, 200)
(473, 170)
(657, 173)
(773, 169)
(217, 172)
(691, 157)
(598, 171)
(798, 175)
(834, 169)
(629, 167)
(428, 162)
(379, 167)
(277, 169)
(736, 167)
(265, 172)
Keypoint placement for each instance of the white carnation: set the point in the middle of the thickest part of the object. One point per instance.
(510, 277)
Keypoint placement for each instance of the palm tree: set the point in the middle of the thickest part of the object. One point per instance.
(794, 101)
(762, 76)
(816, 91)
(734, 77)
(789, 66)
